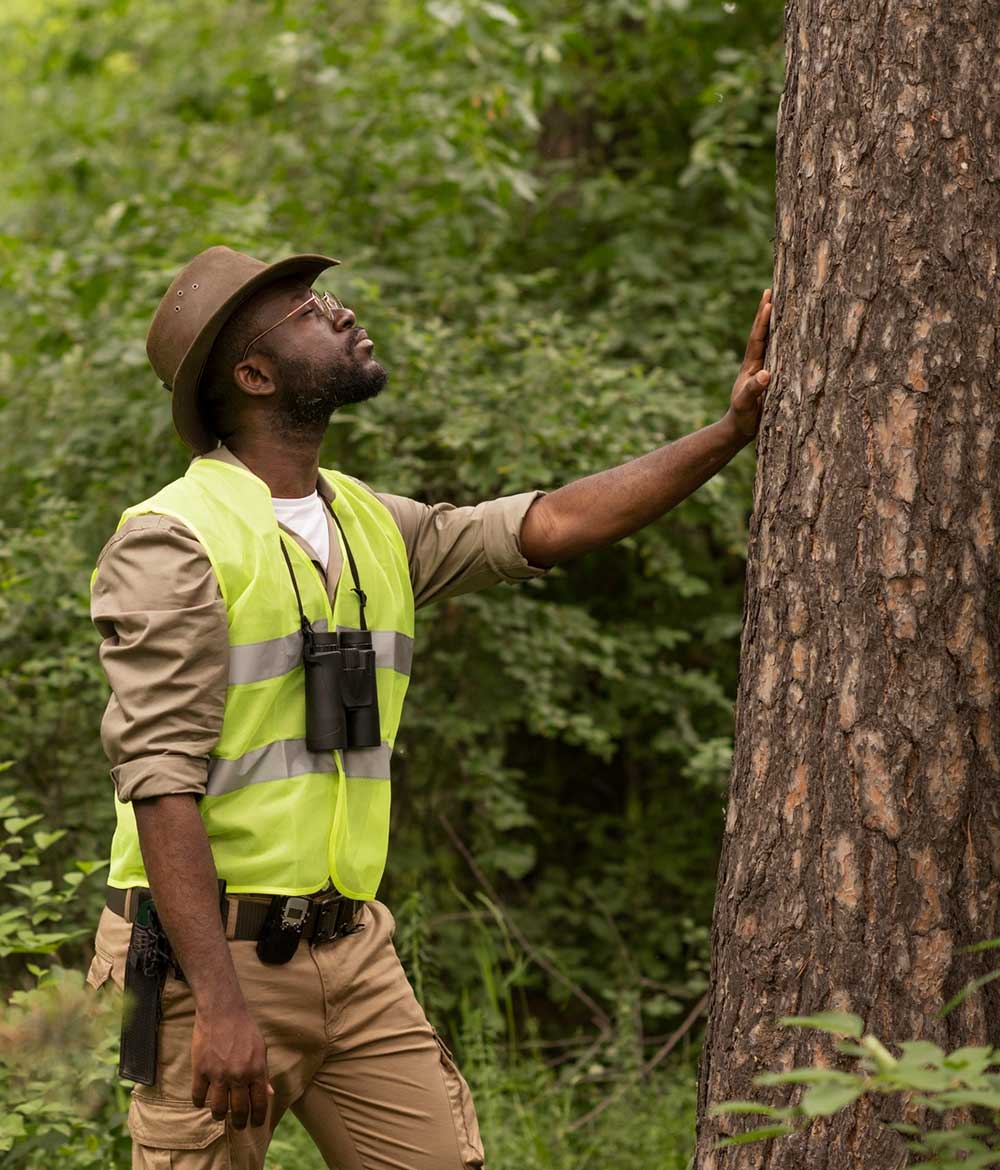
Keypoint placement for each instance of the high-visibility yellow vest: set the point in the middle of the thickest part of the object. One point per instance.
(282, 819)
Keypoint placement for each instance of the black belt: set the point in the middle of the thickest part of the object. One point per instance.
(330, 914)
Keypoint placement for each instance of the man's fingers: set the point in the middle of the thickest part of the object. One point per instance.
(239, 1106)
(758, 333)
(218, 1100)
(751, 390)
(199, 1087)
(758, 384)
(260, 1093)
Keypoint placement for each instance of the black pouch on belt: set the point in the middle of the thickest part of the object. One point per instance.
(145, 972)
(279, 937)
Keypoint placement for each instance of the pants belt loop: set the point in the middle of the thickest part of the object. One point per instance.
(232, 913)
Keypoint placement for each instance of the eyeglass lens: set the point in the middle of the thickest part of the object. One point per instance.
(328, 303)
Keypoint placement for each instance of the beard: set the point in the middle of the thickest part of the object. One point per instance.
(310, 391)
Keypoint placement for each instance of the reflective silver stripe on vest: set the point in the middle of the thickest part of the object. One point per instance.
(290, 757)
(273, 761)
(392, 650)
(259, 661)
(368, 763)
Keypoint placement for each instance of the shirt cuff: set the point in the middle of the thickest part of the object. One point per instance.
(163, 775)
(502, 537)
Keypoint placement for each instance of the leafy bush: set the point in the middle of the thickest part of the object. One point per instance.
(58, 1042)
(555, 219)
(555, 222)
(927, 1079)
(62, 1105)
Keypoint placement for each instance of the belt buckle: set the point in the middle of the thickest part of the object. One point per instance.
(336, 918)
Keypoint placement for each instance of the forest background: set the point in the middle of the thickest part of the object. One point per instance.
(555, 219)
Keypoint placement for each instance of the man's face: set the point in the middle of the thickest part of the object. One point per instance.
(319, 361)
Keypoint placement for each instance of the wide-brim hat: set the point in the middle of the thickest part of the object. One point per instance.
(202, 297)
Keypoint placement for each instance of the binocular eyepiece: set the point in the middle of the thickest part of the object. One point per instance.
(341, 690)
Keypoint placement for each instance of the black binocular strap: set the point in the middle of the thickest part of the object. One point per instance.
(306, 626)
(362, 598)
(357, 590)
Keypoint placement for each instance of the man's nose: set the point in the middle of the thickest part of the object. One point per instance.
(344, 319)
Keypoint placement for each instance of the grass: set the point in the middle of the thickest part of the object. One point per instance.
(526, 1116)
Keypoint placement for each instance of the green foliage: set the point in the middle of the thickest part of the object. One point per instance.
(32, 908)
(62, 1104)
(57, 1044)
(839, 1023)
(555, 221)
(928, 1079)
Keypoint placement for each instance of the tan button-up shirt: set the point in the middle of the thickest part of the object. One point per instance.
(157, 605)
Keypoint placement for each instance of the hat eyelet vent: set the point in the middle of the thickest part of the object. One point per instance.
(177, 308)
(180, 292)
(194, 286)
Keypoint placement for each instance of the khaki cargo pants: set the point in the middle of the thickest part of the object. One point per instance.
(349, 1051)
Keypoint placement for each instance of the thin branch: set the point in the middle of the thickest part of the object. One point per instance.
(661, 1054)
(599, 1015)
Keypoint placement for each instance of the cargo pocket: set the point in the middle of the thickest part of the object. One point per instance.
(463, 1111)
(100, 970)
(166, 1133)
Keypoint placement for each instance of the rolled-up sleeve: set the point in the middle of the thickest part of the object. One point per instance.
(164, 650)
(455, 550)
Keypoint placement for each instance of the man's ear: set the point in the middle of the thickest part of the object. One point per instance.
(255, 376)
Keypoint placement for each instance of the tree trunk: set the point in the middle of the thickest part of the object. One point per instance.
(862, 843)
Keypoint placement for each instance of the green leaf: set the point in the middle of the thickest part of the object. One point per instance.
(962, 1098)
(43, 839)
(849, 1048)
(966, 991)
(822, 1100)
(499, 12)
(990, 944)
(972, 1059)
(883, 1058)
(756, 1135)
(14, 825)
(960, 1162)
(747, 1107)
(942, 1139)
(839, 1023)
(930, 1080)
(921, 1052)
(806, 1076)
(89, 867)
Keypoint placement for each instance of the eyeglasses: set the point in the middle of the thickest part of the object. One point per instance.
(325, 302)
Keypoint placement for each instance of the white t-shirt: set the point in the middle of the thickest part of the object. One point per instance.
(307, 518)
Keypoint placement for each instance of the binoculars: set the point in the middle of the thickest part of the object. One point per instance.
(341, 691)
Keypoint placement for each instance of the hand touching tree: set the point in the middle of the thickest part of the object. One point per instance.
(751, 382)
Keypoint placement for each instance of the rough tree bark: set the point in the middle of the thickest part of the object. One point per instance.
(862, 845)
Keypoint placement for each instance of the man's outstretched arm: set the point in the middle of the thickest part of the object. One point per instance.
(602, 508)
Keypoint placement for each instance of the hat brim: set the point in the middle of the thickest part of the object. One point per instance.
(187, 416)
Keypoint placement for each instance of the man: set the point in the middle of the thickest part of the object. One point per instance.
(223, 600)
